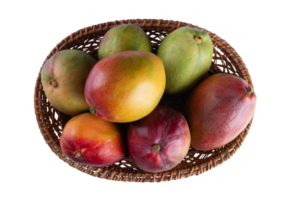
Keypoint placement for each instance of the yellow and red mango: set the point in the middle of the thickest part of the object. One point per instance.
(126, 86)
(63, 78)
(87, 139)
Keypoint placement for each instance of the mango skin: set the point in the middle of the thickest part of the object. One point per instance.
(165, 127)
(186, 58)
(126, 86)
(69, 68)
(99, 142)
(122, 38)
(218, 110)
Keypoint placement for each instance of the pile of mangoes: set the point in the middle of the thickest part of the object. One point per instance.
(126, 86)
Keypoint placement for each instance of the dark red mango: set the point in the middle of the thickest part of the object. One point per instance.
(159, 141)
(218, 109)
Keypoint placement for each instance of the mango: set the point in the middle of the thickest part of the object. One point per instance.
(122, 38)
(218, 110)
(89, 140)
(159, 141)
(126, 86)
(187, 54)
(63, 78)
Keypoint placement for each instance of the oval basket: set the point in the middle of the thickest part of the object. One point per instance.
(51, 122)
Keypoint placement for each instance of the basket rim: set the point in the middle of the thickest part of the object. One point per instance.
(173, 174)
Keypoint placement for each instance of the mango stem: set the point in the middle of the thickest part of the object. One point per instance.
(198, 39)
(156, 147)
(92, 110)
(249, 90)
(77, 154)
(53, 83)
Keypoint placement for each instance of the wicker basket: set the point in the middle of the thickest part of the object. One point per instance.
(51, 122)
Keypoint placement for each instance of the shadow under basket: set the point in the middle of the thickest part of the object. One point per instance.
(51, 122)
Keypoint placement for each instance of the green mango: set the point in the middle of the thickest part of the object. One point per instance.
(187, 54)
(123, 38)
(63, 78)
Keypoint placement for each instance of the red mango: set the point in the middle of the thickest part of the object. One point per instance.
(159, 141)
(218, 109)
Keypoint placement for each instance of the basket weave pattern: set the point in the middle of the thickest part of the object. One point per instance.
(51, 122)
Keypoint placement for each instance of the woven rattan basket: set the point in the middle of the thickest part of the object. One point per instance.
(51, 122)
